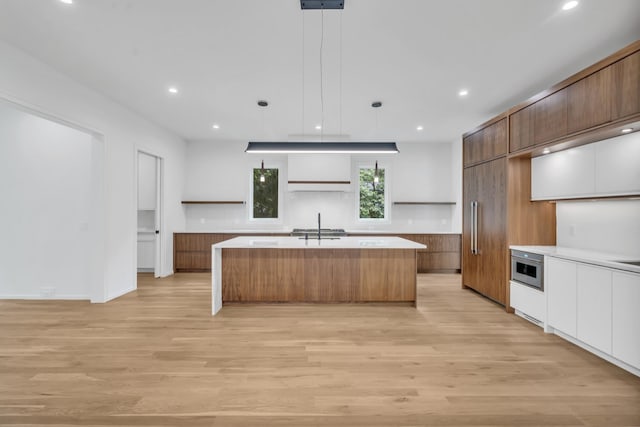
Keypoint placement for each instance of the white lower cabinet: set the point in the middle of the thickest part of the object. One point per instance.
(594, 306)
(528, 301)
(561, 301)
(626, 318)
(597, 308)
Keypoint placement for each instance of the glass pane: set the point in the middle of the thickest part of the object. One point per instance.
(265, 193)
(371, 194)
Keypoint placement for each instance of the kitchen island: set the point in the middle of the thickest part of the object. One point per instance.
(292, 269)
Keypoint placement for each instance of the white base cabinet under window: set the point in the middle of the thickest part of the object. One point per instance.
(626, 317)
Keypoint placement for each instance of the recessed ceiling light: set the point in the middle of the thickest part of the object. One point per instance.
(318, 127)
(546, 151)
(173, 90)
(627, 130)
(463, 92)
(419, 128)
(67, 1)
(570, 5)
(216, 126)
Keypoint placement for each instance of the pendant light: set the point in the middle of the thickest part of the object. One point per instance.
(262, 178)
(376, 177)
(322, 147)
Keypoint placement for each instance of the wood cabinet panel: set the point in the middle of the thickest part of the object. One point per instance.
(486, 271)
(322, 275)
(438, 261)
(550, 117)
(589, 101)
(387, 275)
(486, 144)
(328, 275)
(626, 87)
(274, 275)
(521, 129)
(191, 261)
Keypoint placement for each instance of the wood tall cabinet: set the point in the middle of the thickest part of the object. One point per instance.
(484, 232)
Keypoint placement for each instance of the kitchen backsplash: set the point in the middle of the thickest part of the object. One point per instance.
(607, 226)
(338, 210)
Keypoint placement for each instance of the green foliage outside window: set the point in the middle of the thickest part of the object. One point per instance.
(265, 194)
(371, 194)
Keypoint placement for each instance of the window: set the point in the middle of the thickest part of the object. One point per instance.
(372, 198)
(265, 194)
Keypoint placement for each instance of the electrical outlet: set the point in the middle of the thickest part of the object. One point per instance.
(47, 291)
(202, 221)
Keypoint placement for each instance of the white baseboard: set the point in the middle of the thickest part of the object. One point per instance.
(40, 297)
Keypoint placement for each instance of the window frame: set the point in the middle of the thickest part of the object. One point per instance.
(279, 218)
(387, 174)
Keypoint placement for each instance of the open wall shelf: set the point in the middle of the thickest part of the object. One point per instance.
(213, 202)
(423, 203)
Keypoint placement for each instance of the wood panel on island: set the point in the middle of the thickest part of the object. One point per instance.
(192, 251)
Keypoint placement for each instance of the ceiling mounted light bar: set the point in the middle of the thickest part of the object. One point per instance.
(323, 147)
(321, 4)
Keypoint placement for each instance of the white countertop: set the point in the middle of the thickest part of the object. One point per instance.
(288, 231)
(603, 259)
(246, 242)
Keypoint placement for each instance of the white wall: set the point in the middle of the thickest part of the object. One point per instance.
(29, 82)
(221, 171)
(46, 188)
(456, 171)
(606, 226)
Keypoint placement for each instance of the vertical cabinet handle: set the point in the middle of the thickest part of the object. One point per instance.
(474, 227)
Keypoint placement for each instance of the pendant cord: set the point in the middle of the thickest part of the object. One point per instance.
(341, 74)
(321, 79)
(303, 86)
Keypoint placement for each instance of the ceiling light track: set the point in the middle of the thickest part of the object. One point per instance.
(321, 4)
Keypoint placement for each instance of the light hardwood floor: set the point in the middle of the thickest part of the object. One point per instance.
(157, 357)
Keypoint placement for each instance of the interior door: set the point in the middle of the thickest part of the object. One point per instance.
(484, 260)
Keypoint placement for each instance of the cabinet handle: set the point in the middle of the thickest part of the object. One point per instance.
(474, 227)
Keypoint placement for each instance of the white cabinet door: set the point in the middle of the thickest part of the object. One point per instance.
(564, 174)
(146, 182)
(626, 318)
(594, 306)
(617, 170)
(561, 286)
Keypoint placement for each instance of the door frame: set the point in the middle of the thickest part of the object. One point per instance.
(159, 213)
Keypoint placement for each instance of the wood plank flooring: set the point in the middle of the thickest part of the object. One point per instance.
(156, 357)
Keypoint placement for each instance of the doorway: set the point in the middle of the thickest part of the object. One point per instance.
(149, 213)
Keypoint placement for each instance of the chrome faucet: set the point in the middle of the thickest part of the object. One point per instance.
(318, 225)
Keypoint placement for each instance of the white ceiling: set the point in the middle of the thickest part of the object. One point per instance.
(413, 55)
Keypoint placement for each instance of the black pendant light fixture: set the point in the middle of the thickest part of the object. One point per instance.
(322, 147)
(262, 177)
(376, 177)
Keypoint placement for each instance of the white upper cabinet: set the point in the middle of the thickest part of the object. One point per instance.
(565, 174)
(618, 165)
(319, 172)
(604, 168)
